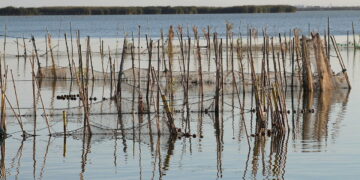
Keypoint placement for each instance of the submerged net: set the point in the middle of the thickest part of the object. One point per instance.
(178, 77)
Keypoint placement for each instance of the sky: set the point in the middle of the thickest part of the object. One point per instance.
(39, 3)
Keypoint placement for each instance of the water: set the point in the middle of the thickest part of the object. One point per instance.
(320, 145)
(116, 25)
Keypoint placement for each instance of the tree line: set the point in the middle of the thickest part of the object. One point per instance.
(334, 8)
(21, 11)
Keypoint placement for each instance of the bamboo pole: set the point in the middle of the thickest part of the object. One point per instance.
(111, 73)
(91, 60)
(188, 79)
(17, 101)
(46, 49)
(34, 93)
(217, 83)
(3, 129)
(171, 57)
(32, 61)
(36, 54)
(182, 70)
(5, 35)
(149, 45)
(68, 56)
(328, 37)
(163, 48)
(139, 60)
(200, 64)
(72, 45)
(341, 61)
(118, 89)
(261, 125)
(64, 125)
(353, 32)
(308, 82)
(102, 56)
(158, 77)
(52, 57)
(83, 89)
(208, 46)
(237, 91)
(347, 40)
(283, 61)
(171, 123)
(228, 29)
(25, 52)
(17, 116)
(17, 48)
(323, 65)
(65, 121)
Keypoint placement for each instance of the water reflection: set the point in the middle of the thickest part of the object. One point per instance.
(157, 157)
(84, 155)
(315, 123)
(2, 161)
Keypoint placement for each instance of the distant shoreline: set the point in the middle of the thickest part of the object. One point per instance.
(20, 11)
(319, 8)
(148, 10)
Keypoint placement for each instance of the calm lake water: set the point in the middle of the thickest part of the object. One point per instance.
(116, 25)
(320, 145)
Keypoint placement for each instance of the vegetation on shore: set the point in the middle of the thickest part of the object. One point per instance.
(10, 11)
(335, 8)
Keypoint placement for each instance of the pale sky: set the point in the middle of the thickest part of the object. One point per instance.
(37, 3)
